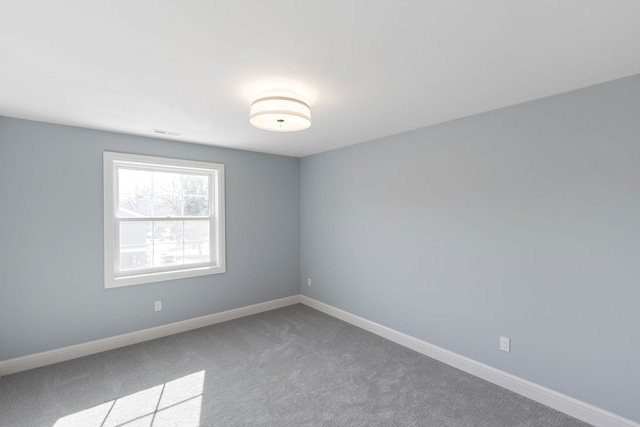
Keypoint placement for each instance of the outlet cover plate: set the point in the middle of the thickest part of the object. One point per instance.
(505, 344)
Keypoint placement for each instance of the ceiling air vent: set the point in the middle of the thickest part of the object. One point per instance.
(166, 132)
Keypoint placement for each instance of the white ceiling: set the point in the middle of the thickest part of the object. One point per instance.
(370, 68)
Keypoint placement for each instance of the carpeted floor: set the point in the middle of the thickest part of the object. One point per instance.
(293, 366)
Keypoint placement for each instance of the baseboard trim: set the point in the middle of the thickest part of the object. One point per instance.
(563, 403)
(574, 407)
(37, 360)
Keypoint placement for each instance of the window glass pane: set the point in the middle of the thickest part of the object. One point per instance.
(135, 233)
(167, 231)
(135, 257)
(196, 231)
(167, 205)
(196, 253)
(167, 254)
(167, 183)
(134, 205)
(196, 206)
(134, 181)
(134, 193)
(196, 185)
(167, 194)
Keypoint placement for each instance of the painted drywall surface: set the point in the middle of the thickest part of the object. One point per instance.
(523, 222)
(51, 245)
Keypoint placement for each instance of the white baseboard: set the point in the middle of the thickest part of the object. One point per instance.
(563, 403)
(576, 408)
(67, 353)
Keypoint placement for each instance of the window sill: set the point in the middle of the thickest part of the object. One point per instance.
(139, 279)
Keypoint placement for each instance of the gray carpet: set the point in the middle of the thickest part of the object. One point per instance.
(293, 366)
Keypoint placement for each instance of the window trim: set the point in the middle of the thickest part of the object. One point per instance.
(112, 277)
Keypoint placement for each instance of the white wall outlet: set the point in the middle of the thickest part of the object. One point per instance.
(505, 344)
(158, 305)
(309, 282)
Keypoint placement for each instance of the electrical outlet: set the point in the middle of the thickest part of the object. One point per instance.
(309, 282)
(505, 344)
(158, 305)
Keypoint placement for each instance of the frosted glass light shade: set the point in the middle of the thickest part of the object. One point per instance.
(280, 110)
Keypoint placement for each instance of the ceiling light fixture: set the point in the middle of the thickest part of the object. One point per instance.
(280, 110)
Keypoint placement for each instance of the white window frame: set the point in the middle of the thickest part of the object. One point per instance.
(113, 278)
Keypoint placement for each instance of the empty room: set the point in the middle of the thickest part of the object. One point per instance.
(336, 213)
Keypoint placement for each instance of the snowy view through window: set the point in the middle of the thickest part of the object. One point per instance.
(164, 219)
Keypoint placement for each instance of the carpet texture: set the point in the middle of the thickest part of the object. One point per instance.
(292, 366)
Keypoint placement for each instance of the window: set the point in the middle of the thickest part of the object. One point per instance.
(163, 219)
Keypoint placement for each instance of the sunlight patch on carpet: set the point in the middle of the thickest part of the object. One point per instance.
(177, 402)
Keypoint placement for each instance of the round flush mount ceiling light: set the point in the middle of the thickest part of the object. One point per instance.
(280, 110)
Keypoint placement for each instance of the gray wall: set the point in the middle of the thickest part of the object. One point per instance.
(522, 222)
(51, 238)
